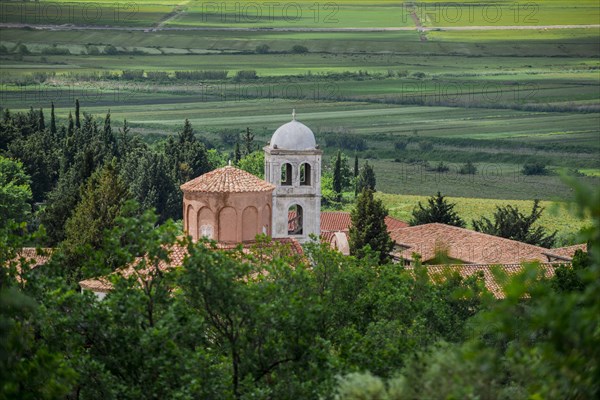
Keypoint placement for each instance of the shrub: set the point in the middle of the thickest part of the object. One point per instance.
(22, 50)
(201, 75)
(245, 75)
(536, 168)
(157, 75)
(111, 50)
(55, 51)
(3, 49)
(418, 75)
(299, 49)
(345, 141)
(468, 169)
(132, 75)
(93, 50)
(425, 145)
(441, 167)
(262, 49)
(401, 144)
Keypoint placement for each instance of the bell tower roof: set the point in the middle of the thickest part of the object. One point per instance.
(293, 136)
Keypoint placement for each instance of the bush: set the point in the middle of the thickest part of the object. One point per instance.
(441, 167)
(55, 51)
(93, 50)
(344, 141)
(534, 169)
(262, 49)
(299, 49)
(132, 75)
(401, 144)
(425, 145)
(157, 75)
(245, 75)
(418, 75)
(201, 75)
(468, 169)
(22, 50)
(111, 50)
(3, 49)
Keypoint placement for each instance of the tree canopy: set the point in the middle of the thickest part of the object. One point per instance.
(437, 210)
(509, 222)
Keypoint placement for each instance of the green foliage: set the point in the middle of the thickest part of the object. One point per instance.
(534, 169)
(15, 192)
(438, 210)
(262, 49)
(187, 155)
(337, 175)
(299, 49)
(369, 228)
(510, 223)
(468, 169)
(366, 179)
(254, 163)
(248, 142)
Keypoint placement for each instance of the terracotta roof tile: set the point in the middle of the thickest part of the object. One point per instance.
(227, 180)
(568, 251)
(463, 244)
(436, 273)
(177, 254)
(335, 221)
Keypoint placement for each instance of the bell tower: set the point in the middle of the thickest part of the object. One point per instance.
(293, 166)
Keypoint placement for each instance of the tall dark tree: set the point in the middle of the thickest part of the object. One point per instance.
(237, 154)
(248, 141)
(369, 228)
(108, 137)
(52, 120)
(337, 176)
(510, 223)
(366, 179)
(41, 123)
(70, 125)
(437, 210)
(356, 169)
(77, 119)
(187, 155)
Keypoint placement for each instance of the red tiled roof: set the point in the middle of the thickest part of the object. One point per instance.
(227, 180)
(35, 257)
(463, 244)
(336, 221)
(568, 251)
(178, 253)
(436, 273)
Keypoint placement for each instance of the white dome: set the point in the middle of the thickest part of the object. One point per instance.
(293, 136)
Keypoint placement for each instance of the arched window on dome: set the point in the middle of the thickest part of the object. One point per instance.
(305, 174)
(286, 174)
(295, 220)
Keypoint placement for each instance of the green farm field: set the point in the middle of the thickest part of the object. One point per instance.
(453, 88)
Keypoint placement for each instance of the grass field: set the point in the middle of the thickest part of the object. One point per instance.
(496, 97)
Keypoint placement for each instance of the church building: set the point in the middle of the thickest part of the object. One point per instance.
(230, 205)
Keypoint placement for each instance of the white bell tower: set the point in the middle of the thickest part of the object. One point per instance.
(293, 165)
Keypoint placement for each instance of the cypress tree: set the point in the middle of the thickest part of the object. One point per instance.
(366, 179)
(41, 123)
(237, 155)
(356, 170)
(77, 120)
(70, 128)
(337, 176)
(248, 139)
(52, 120)
(369, 228)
